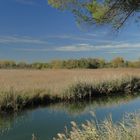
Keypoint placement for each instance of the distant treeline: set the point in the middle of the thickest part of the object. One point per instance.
(89, 63)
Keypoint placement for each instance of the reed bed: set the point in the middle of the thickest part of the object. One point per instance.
(84, 90)
(20, 89)
(127, 129)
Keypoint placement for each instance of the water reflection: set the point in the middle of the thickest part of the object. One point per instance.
(46, 122)
(7, 121)
(78, 108)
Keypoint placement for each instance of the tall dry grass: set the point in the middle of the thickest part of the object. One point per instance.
(57, 80)
(23, 88)
(128, 129)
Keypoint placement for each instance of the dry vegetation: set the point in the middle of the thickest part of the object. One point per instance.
(57, 80)
(128, 129)
(22, 88)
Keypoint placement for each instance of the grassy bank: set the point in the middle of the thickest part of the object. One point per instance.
(128, 129)
(13, 100)
(83, 90)
(21, 89)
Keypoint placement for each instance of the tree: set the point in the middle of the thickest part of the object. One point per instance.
(22, 64)
(118, 62)
(113, 12)
(7, 64)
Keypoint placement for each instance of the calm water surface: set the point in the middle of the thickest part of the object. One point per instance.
(46, 122)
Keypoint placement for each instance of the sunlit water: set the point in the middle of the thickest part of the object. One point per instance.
(46, 122)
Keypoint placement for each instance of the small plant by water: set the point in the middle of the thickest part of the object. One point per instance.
(128, 129)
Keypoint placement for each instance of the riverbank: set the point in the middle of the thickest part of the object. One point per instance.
(21, 89)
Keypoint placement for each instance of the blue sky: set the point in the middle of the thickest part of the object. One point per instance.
(30, 30)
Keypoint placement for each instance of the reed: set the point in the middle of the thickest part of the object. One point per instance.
(128, 129)
(21, 89)
(83, 90)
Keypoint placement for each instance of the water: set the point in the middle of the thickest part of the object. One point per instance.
(46, 122)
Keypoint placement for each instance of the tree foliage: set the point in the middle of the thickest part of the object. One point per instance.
(83, 63)
(113, 12)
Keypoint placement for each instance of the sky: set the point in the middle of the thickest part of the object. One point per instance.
(31, 30)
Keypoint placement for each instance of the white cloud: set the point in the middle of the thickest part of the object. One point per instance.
(119, 47)
(98, 33)
(32, 50)
(85, 38)
(76, 48)
(89, 47)
(71, 37)
(21, 39)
